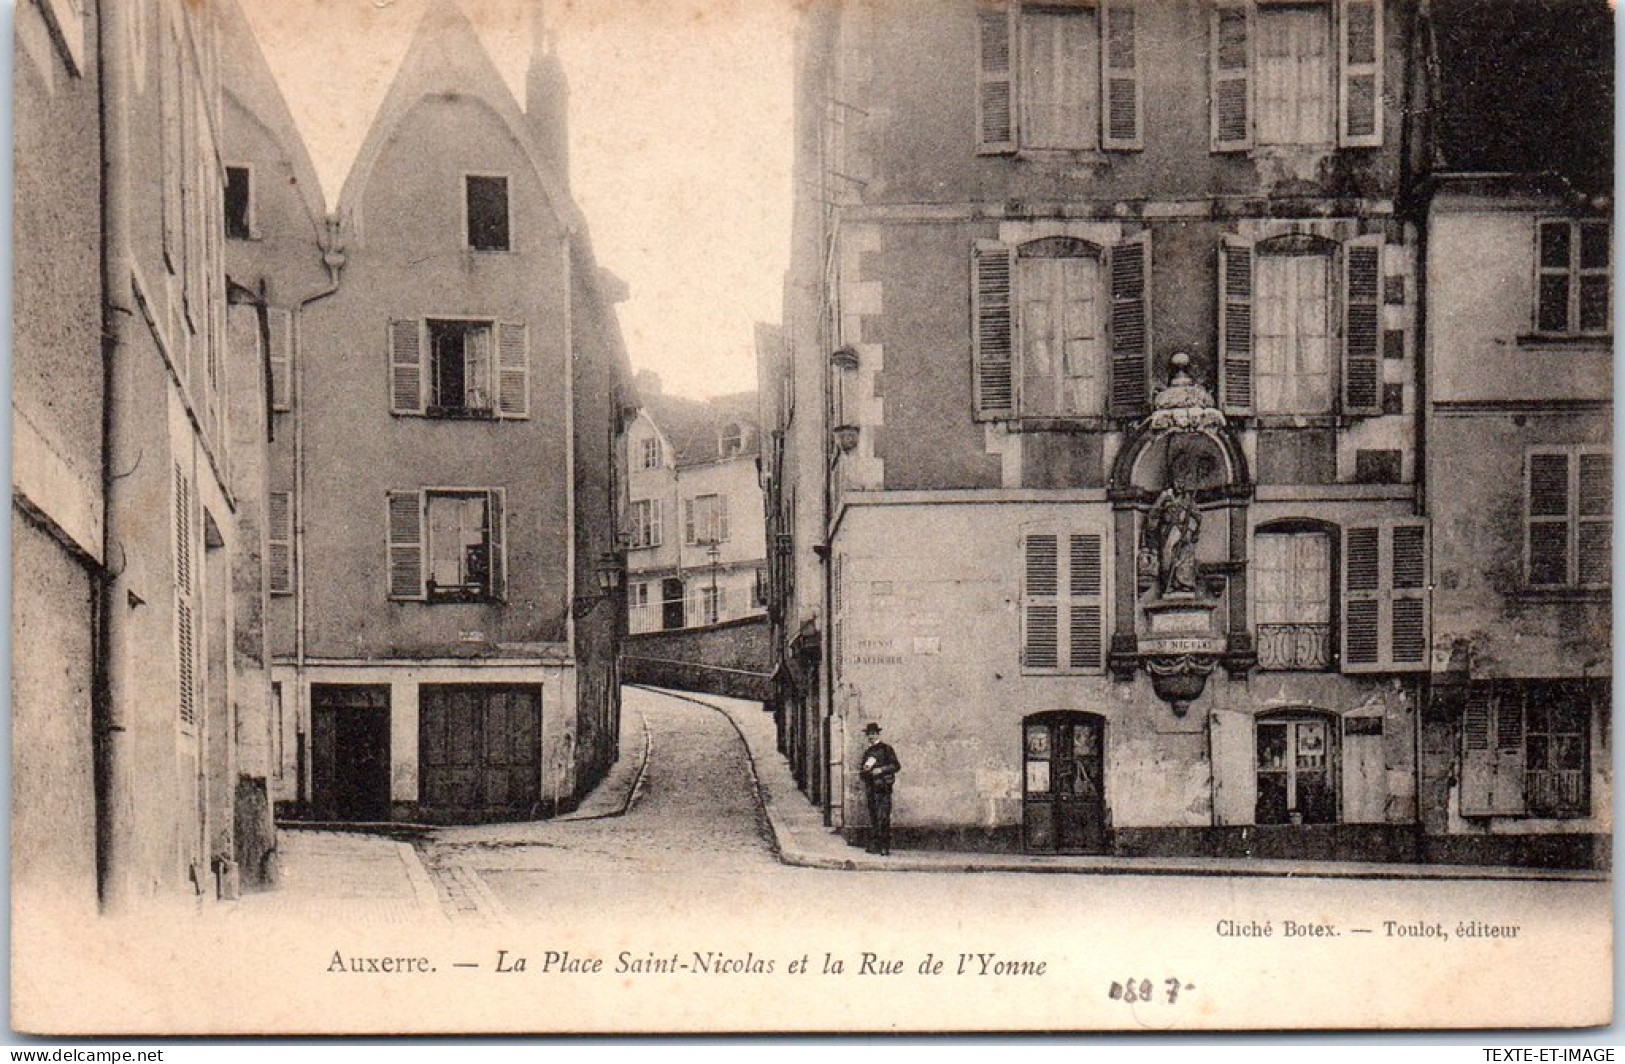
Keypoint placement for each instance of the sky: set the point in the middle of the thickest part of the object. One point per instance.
(680, 146)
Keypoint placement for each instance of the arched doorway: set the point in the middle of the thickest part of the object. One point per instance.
(1064, 783)
(1297, 764)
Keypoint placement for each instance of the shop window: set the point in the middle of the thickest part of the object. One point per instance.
(1297, 763)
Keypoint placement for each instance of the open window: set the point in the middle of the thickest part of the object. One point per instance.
(485, 201)
(447, 545)
(459, 368)
(1526, 747)
(239, 203)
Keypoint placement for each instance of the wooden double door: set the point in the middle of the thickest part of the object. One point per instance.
(1064, 783)
(479, 751)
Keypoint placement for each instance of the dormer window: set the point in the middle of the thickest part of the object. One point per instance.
(731, 440)
(486, 213)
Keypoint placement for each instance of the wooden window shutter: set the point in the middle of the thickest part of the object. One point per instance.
(995, 89)
(1362, 598)
(406, 367)
(1386, 597)
(1362, 326)
(185, 624)
(1121, 102)
(688, 521)
(1085, 615)
(496, 541)
(279, 543)
(1360, 74)
(1594, 520)
(1041, 586)
(1409, 609)
(1130, 327)
(721, 529)
(1236, 327)
(1231, 103)
(405, 538)
(1477, 753)
(1548, 513)
(1507, 791)
(280, 355)
(993, 330)
(513, 370)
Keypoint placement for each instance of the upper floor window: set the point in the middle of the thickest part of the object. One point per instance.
(486, 212)
(1574, 288)
(1061, 75)
(1061, 328)
(648, 523)
(459, 368)
(650, 453)
(731, 440)
(1305, 73)
(1300, 326)
(239, 203)
(705, 520)
(447, 545)
(1062, 602)
(1292, 600)
(1568, 509)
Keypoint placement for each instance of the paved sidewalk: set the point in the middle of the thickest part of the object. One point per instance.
(346, 876)
(802, 839)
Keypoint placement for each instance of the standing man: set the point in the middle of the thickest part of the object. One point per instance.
(880, 766)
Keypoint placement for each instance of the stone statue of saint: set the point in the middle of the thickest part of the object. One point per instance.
(1172, 527)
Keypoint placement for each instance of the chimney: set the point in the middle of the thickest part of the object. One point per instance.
(547, 96)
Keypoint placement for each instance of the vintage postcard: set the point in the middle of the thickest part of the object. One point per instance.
(551, 516)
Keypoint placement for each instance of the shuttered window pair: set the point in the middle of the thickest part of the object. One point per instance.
(648, 523)
(1569, 516)
(1386, 597)
(1525, 749)
(447, 545)
(1299, 74)
(1277, 322)
(705, 520)
(459, 368)
(1063, 602)
(1062, 75)
(1061, 328)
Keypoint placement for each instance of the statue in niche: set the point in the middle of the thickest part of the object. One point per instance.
(1171, 530)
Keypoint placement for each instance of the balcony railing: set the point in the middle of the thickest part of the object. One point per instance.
(1294, 646)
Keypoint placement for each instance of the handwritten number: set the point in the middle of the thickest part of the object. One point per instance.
(1131, 991)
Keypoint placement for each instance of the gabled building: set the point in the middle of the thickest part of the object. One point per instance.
(139, 684)
(1102, 464)
(695, 526)
(456, 404)
(1520, 332)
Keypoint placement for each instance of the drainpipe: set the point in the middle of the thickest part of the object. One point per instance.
(120, 420)
(333, 259)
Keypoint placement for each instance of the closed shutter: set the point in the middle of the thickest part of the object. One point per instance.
(1362, 331)
(688, 521)
(1360, 74)
(405, 545)
(1507, 782)
(721, 529)
(995, 96)
(1236, 327)
(513, 370)
(993, 331)
(405, 367)
(1594, 520)
(281, 358)
(1231, 102)
(1232, 752)
(1121, 104)
(1385, 597)
(1085, 621)
(1477, 753)
(1040, 611)
(1130, 327)
(279, 543)
(1063, 602)
(1548, 509)
(496, 541)
(185, 617)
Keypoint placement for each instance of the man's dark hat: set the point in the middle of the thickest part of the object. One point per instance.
(871, 728)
